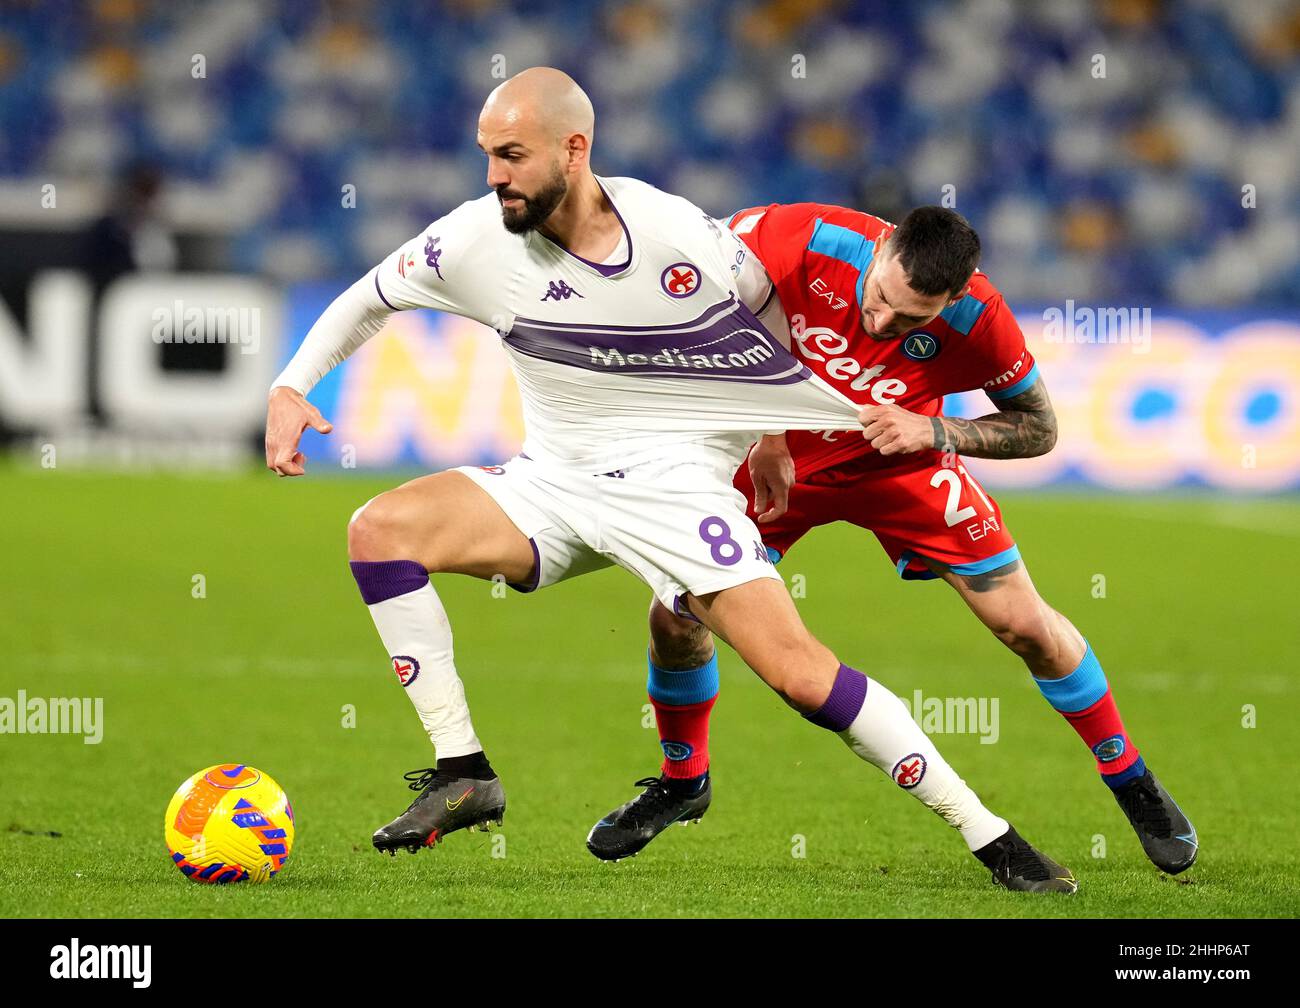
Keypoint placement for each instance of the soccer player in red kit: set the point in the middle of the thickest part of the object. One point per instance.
(896, 318)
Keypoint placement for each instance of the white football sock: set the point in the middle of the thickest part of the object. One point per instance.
(885, 735)
(417, 634)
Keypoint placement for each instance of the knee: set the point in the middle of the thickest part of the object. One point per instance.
(802, 672)
(1025, 632)
(678, 643)
(378, 531)
(806, 691)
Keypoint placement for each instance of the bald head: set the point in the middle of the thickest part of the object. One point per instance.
(543, 100)
(536, 131)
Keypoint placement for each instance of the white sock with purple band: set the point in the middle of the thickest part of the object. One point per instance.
(413, 625)
(877, 726)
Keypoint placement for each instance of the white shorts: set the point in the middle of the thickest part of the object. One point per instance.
(680, 526)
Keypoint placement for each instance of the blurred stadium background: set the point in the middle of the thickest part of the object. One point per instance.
(1129, 158)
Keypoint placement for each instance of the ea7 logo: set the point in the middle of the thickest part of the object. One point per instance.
(819, 288)
(102, 962)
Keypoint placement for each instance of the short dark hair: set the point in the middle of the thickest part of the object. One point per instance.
(938, 250)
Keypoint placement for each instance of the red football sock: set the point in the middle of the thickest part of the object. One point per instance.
(684, 736)
(1101, 728)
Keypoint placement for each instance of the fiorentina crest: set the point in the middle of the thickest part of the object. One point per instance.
(909, 771)
(407, 668)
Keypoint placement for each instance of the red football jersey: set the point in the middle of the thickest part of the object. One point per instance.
(818, 256)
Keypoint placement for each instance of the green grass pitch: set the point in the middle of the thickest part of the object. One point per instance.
(1197, 622)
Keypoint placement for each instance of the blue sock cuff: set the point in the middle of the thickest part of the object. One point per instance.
(681, 688)
(1117, 781)
(1080, 689)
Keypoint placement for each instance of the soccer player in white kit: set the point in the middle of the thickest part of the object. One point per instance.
(645, 376)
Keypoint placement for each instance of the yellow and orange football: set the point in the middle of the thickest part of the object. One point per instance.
(229, 823)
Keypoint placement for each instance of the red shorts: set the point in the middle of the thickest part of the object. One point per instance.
(915, 506)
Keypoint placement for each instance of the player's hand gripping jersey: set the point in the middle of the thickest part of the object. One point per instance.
(919, 504)
(818, 256)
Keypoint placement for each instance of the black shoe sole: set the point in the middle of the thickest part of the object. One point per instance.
(415, 843)
(613, 857)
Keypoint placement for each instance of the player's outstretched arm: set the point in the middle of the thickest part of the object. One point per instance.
(288, 414)
(1023, 427)
(351, 319)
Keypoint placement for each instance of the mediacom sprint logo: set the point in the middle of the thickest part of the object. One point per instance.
(75, 961)
(668, 357)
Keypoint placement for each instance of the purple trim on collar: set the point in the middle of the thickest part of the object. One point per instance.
(604, 269)
(380, 292)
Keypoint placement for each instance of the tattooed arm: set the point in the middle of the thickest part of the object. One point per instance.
(1024, 426)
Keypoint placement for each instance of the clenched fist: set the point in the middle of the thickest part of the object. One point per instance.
(893, 430)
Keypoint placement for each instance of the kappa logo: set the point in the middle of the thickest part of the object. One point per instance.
(432, 255)
(680, 280)
(920, 345)
(407, 668)
(677, 751)
(1110, 749)
(560, 291)
(909, 771)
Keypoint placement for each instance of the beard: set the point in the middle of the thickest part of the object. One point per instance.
(537, 207)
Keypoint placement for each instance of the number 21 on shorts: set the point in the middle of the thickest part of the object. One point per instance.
(952, 513)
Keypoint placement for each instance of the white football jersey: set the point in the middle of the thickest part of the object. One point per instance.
(618, 363)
